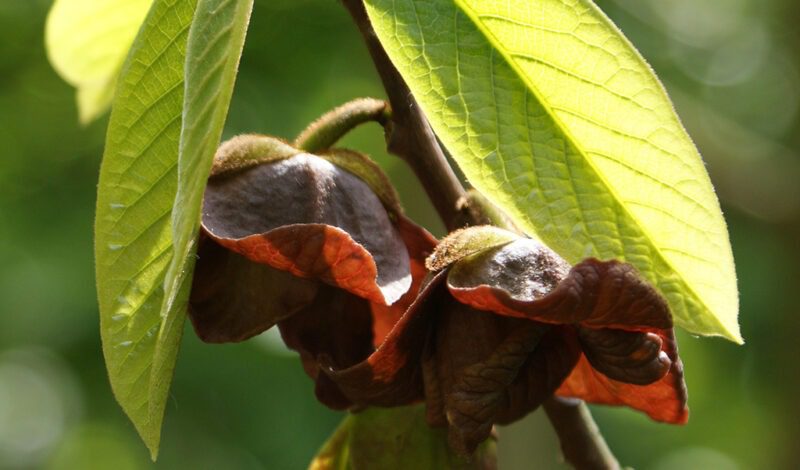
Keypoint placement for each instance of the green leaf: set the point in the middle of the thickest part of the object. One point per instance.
(87, 41)
(158, 155)
(396, 438)
(215, 45)
(133, 238)
(556, 118)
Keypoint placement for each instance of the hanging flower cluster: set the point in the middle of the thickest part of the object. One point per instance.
(492, 326)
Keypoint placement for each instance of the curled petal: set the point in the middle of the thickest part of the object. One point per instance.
(420, 245)
(369, 171)
(525, 279)
(482, 369)
(627, 356)
(307, 216)
(336, 330)
(546, 369)
(233, 299)
(525, 369)
(420, 242)
(328, 254)
(663, 400)
(476, 375)
(385, 317)
(391, 376)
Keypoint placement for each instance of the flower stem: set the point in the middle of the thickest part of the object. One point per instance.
(333, 125)
(581, 442)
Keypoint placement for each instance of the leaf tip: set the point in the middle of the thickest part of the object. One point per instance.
(153, 448)
(151, 435)
(727, 326)
(734, 334)
(87, 115)
(729, 330)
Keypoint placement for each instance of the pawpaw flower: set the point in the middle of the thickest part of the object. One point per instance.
(316, 244)
(503, 323)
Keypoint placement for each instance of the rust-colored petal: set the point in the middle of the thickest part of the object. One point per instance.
(391, 376)
(307, 216)
(336, 330)
(420, 244)
(325, 253)
(233, 299)
(526, 279)
(663, 400)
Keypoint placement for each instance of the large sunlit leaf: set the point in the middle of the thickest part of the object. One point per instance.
(87, 41)
(556, 118)
(133, 237)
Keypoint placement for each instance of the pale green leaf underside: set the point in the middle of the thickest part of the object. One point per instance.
(133, 238)
(87, 41)
(554, 116)
(215, 45)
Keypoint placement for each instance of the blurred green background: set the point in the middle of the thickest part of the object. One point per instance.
(732, 68)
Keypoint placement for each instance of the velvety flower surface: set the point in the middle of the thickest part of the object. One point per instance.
(498, 330)
(315, 244)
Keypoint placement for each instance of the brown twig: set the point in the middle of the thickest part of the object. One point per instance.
(411, 137)
(581, 442)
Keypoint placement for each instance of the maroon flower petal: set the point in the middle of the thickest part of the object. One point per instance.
(623, 324)
(420, 245)
(391, 376)
(664, 400)
(336, 330)
(307, 216)
(628, 356)
(478, 358)
(546, 369)
(525, 279)
(233, 299)
(483, 383)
